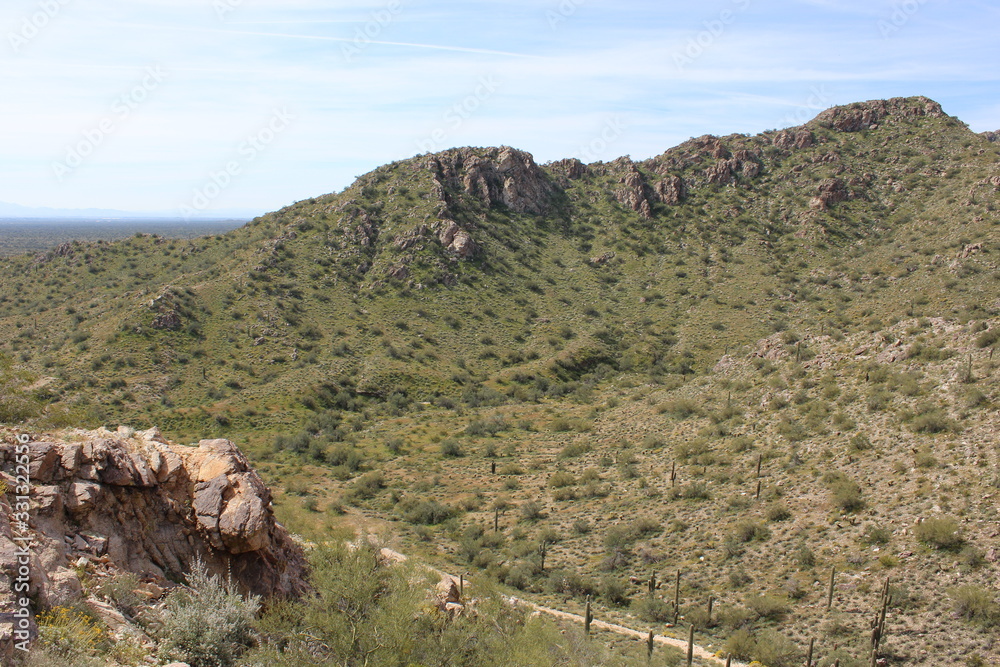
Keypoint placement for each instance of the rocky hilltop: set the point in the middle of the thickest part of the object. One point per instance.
(108, 502)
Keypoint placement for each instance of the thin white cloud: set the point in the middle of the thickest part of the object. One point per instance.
(555, 84)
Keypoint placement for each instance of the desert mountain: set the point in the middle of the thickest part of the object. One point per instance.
(751, 358)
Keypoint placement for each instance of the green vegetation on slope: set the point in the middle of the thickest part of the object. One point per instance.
(822, 300)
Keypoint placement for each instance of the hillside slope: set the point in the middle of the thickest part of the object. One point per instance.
(821, 299)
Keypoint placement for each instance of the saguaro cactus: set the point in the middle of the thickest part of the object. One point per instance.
(829, 595)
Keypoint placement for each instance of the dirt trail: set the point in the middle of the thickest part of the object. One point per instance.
(701, 654)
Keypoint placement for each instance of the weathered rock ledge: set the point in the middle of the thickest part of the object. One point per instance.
(134, 502)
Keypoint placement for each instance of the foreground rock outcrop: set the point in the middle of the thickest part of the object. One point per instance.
(134, 502)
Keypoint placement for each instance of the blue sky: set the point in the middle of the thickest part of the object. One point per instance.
(202, 105)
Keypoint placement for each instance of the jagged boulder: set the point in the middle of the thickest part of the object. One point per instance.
(456, 239)
(830, 191)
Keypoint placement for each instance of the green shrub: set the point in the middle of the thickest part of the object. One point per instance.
(561, 425)
(561, 479)
(777, 512)
(876, 535)
(976, 604)
(426, 512)
(613, 590)
(120, 591)
(574, 450)
(932, 419)
(16, 404)
(776, 650)
(804, 556)
(988, 337)
(939, 533)
(532, 511)
(770, 607)
(692, 491)
(367, 486)
(206, 625)
(748, 530)
(846, 492)
(653, 610)
(680, 408)
(451, 449)
(740, 645)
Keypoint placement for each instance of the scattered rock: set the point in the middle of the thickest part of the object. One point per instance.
(970, 250)
(603, 259)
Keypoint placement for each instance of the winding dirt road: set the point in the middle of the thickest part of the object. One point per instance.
(701, 654)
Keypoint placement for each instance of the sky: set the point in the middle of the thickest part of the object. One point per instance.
(195, 107)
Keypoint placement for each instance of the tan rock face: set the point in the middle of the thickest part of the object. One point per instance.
(138, 503)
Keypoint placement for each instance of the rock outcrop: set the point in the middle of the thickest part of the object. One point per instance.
(992, 136)
(794, 138)
(632, 190)
(134, 502)
(495, 176)
(456, 239)
(831, 191)
(864, 115)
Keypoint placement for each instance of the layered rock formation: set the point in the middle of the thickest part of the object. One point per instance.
(134, 502)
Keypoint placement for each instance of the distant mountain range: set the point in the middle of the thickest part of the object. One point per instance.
(8, 210)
